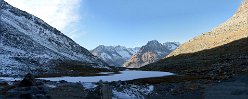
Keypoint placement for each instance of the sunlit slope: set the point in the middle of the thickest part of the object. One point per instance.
(233, 29)
(223, 51)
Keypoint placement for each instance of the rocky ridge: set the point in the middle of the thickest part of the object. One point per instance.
(28, 44)
(114, 55)
(151, 52)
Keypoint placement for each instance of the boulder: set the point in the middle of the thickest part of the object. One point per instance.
(28, 81)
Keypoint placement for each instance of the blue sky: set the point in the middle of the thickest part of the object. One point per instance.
(133, 23)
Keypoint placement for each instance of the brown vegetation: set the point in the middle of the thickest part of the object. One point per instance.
(234, 29)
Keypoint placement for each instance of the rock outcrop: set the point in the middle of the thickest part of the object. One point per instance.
(28, 88)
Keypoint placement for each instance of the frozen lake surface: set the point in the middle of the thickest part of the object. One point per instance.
(9, 79)
(123, 76)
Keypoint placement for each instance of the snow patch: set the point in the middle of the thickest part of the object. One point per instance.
(89, 85)
(133, 92)
(105, 56)
(124, 54)
(50, 86)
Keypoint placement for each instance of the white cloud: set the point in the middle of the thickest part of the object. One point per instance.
(58, 13)
(76, 34)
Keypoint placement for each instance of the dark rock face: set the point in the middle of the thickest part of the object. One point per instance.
(34, 92)
(28, 44)
(28, 81)
(69, 90)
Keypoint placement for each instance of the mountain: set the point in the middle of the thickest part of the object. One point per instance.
(222, 51)
(233, 29)
(151, 52)
(28, 44)
(114, 55)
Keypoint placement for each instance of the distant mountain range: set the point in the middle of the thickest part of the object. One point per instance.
(114, 55)
(122, 56)
(28, 44)
(151, 52)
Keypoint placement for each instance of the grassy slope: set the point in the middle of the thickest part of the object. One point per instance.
(75, 68)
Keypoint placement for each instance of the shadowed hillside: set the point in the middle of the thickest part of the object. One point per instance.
(228, 59)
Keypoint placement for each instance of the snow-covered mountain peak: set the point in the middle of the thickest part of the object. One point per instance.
(114, 55)
(153, 42)
(171, 45)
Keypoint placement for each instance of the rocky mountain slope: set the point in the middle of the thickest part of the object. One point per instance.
(151, 52)
(28, 44)
(114, 55)
(233, 29)
(217, 54)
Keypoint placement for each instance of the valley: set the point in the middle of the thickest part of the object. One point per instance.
(37, 61)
